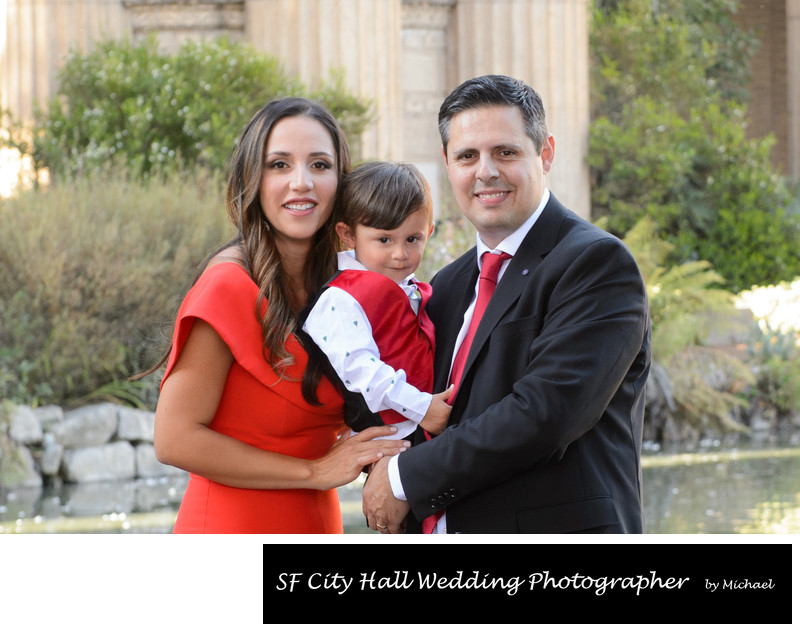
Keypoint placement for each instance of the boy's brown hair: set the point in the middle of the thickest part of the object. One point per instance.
(383, 194)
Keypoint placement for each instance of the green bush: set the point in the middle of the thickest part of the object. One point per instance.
(708, 387)
(159, 111)
(777, 356)
(679, 52)
(94, 269)
(668, 141)
(711, 192)
(685, 300)
(692, 388)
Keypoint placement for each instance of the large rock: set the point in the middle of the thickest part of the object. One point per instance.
(49, 416)
(32, 478)
(20, 469)
(50, 456)
(148, 466)
(25, 427)
(88, 426)
(115, 461)
(136, 425)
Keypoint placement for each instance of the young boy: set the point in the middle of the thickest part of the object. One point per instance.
(369, 320)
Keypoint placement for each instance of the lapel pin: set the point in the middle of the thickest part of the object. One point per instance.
(525, 272)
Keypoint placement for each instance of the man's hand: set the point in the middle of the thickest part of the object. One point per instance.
(383, 511)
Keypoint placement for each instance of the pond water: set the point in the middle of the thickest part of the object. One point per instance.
(751, 489)
(742, 491)
(747, 490)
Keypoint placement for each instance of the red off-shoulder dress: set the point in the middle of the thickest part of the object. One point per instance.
(259, 408)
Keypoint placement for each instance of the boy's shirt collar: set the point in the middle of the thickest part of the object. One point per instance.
(347, 261)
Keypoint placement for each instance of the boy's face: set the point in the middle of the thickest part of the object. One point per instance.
(393, 253)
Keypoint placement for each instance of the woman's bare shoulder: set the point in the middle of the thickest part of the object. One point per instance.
(231, 254)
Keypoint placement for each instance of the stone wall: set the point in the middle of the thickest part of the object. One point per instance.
(96, 443)
(87, 470)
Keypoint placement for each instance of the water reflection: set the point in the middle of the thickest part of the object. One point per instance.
(140, 506)
(731, 492)
(754, 490)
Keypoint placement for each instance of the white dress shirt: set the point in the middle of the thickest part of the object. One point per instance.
(509, 245)
(355, 356)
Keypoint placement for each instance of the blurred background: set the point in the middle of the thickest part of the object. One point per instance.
(677, 127)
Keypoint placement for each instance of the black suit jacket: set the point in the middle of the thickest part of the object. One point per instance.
(545, 432)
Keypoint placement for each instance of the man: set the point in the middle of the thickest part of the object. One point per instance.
(545, 431)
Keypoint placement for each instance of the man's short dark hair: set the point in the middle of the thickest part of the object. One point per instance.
(496, 90)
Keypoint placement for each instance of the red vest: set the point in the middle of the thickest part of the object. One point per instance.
(405, 339)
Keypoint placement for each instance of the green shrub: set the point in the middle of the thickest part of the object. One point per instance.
(711, 192)
(709, 385)
(94, 269)
(161, 111)
(777, 357)
(692, 388)
(679, 52)
(685, 300)
(668, 141)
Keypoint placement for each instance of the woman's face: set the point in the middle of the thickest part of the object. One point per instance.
(299, 182)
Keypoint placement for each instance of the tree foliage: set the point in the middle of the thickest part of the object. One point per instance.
(160, 111)
(685, 300)
(668, 139)
(692, 388)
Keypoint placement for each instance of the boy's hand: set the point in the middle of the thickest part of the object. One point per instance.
(435, 419)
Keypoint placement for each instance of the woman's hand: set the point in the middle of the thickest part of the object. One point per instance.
(352, 453)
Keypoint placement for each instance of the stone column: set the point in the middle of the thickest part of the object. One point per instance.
(544, 43)
(426, 67)
(360, 37)
(793, 85)
(35, 35)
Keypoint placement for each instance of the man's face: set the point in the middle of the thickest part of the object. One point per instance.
(496, 174)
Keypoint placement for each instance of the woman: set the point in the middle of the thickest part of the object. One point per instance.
(242, 406)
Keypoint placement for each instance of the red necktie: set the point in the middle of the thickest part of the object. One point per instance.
(490, 268)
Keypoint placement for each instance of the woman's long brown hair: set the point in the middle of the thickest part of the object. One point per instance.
(257, 241)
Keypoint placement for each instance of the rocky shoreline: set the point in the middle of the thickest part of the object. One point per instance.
(88, 470)
(95, 443)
